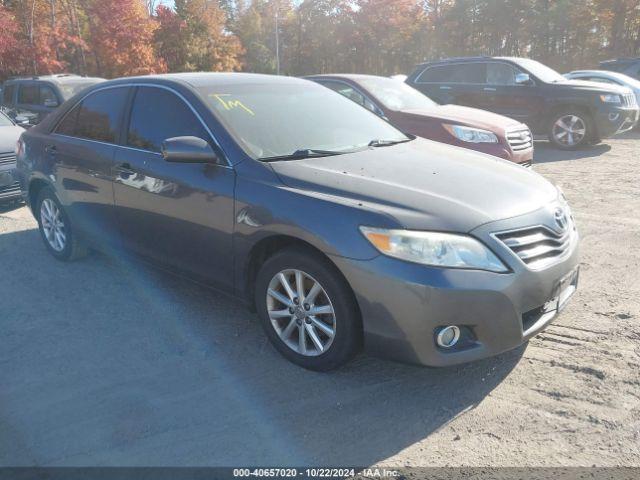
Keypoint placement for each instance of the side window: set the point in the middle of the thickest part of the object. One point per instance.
(68, 124)
(7, 94)
(28, 94)
(97, 117)
(158, 114)
(501, 74)
(352, 94)
(48, 96)
(454, 73)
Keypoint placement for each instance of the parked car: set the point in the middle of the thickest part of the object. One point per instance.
(605, 76)
(412, 112)
(35, 97)
(9, 134)
(628, 66)
(335, 226)
(571, 113)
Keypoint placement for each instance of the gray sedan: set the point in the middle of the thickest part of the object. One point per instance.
(338, 229)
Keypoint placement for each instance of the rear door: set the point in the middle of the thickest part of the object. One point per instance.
(82, 147)
(179, 214)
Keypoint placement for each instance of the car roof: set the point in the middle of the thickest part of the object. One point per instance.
(204, 79)
(58, 78)
(346, 76)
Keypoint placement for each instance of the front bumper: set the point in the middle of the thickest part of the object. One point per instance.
(613, 121)
(403, 304)
(502, 150)
(9, 185)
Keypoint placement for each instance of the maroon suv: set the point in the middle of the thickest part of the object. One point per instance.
(414, 113)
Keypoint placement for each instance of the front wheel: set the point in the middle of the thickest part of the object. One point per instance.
(307, 310)
(570, 130)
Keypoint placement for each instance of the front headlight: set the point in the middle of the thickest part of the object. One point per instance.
(471, 135)
(434, 248)
(610, 98)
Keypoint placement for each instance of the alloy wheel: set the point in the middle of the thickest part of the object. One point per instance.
(53, 225)
(569, 130)
(301, 312)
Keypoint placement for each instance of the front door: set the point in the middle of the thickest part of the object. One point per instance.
(180, 214)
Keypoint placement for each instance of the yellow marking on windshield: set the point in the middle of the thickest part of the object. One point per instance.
(231, 104)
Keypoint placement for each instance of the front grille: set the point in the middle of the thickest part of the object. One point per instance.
(539, 246)
(10, 191)
(520, 139)
(7, 158)
(629, 100)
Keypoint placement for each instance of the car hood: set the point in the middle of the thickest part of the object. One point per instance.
(8, 138)
(594, 86)
(459, 115)
(423, 184)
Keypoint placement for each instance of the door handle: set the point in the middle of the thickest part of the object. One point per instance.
(124, 169)
(51, 149)
(445, 88)
(489, 89)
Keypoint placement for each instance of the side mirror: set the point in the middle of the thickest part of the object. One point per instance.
(188, 150)
(523, 79)
(22, 121)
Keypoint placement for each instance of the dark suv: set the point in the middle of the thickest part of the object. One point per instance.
(34, 98)
(571, 113)
(628, 66)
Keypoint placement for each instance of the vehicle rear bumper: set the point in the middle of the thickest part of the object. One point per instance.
(613, 121)
(403, 305)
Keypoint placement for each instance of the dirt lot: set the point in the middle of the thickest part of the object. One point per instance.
(105, 363)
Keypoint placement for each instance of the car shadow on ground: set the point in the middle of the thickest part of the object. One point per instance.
(107, 362)
(545, 152)
(6, 207)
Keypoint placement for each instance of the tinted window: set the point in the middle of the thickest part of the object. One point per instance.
(68, 124)
(396, 95)
(501, 74)
(351, 93)
(158, 114)
(47, 96)
(454, 73)
(7, 94)
(97, 117)
(28, 94)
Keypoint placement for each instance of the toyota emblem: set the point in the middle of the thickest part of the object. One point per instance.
(560, 216)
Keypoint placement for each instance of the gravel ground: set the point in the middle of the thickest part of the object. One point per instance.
(106, 363)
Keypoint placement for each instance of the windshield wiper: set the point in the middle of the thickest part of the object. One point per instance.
(304, 153)
(387, 143)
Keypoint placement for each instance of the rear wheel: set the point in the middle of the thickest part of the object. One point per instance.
(570, 130)
(55, 227)
(307, 309)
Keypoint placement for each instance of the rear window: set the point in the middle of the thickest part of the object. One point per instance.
(7, 94)
(454, 73)
(69, 89)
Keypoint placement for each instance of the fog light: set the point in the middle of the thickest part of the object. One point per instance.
(614, 116)
(447, 337)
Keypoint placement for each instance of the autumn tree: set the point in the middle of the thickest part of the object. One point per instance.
(121, 36)
(207, 44)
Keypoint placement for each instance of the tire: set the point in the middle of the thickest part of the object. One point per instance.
(61, 241)
(334, 294)
(569, 130)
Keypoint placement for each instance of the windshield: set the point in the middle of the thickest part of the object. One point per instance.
(271, 120)
(396, 95)
(4, 121)
(69, 89)
(544, 73)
